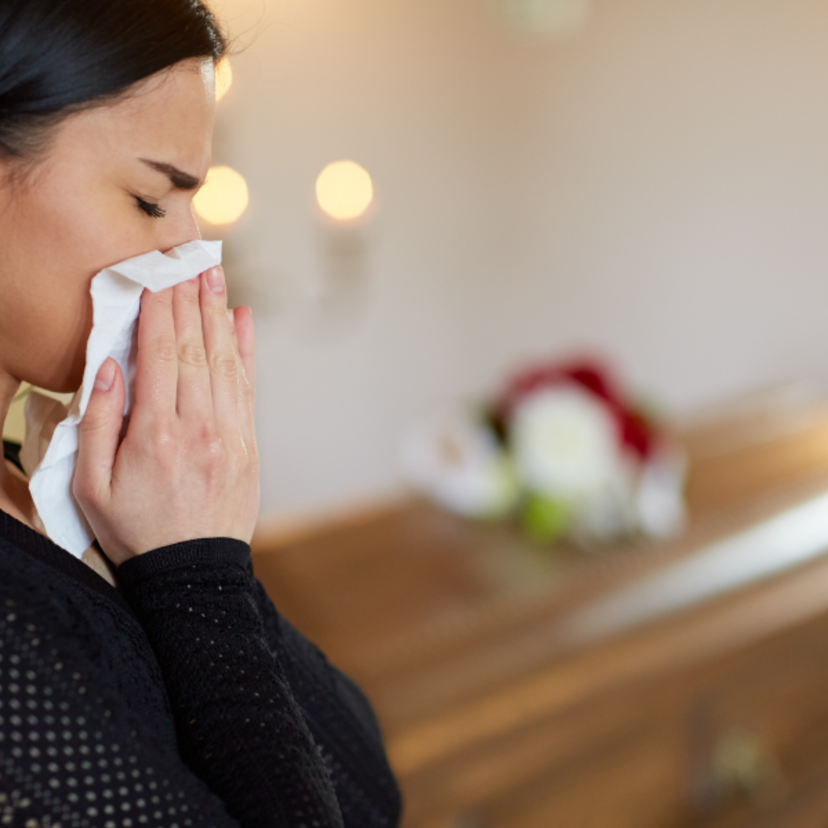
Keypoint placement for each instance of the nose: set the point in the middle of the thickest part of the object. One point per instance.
(178, 229)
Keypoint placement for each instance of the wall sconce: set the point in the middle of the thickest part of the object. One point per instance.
(344, 193)
(345, 197)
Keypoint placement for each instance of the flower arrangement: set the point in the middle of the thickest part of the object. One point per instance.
(561, 449)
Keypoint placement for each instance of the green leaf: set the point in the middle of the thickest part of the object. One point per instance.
(543, 519)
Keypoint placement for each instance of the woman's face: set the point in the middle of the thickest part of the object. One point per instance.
(117, 181)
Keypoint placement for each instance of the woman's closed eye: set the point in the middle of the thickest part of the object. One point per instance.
(151, 209)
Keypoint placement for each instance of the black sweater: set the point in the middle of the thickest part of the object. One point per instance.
(185, 699)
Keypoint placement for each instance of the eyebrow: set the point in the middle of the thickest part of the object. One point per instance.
(178, 178)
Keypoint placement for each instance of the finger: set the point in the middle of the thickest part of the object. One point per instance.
(244, 334)
(245, 339)
(231, 318)
(193, 373)
(156, 368)
(224, 365)
(99, 435)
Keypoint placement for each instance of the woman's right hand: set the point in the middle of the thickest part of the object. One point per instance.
(187, 467)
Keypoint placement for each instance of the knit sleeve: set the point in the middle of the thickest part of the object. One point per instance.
(238, 725)
(341, 721)
(71, 750)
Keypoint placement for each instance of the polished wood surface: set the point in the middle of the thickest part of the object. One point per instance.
(670, 684)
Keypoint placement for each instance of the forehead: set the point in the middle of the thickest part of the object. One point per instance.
(168, 117)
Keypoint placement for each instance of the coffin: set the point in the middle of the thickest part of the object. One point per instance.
(680, 683)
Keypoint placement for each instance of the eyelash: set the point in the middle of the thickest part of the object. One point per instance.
(152, 210)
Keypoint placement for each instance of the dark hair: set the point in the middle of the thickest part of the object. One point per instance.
(61, 56)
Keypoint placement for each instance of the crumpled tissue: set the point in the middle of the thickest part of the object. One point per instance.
(51, 445)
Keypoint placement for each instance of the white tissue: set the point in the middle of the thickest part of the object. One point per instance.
(51, 445)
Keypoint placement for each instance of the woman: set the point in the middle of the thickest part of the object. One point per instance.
(181, 698)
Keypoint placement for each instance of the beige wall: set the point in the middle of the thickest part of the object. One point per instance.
(417, 92)
(656, 187)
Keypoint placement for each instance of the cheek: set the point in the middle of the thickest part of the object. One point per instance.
(86, 234)
(62, 233)
(45, 337)
(46, 276)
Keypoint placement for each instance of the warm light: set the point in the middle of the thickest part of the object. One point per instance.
(223, 198)
(344, 190)
(224, 78)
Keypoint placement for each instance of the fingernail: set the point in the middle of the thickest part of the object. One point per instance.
(106, 376)
(215, 279)
(231, 318)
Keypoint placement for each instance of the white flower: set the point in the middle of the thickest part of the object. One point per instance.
(460, 464)
(606, 513)
(660, 498)
(565, 444)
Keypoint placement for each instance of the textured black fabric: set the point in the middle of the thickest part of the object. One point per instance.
(183, 700)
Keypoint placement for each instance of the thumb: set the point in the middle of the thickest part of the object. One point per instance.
(99, 434)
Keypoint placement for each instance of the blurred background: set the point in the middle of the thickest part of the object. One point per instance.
(643, 178)
(527, 180)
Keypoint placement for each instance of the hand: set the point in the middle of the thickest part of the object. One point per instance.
(187, 467)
